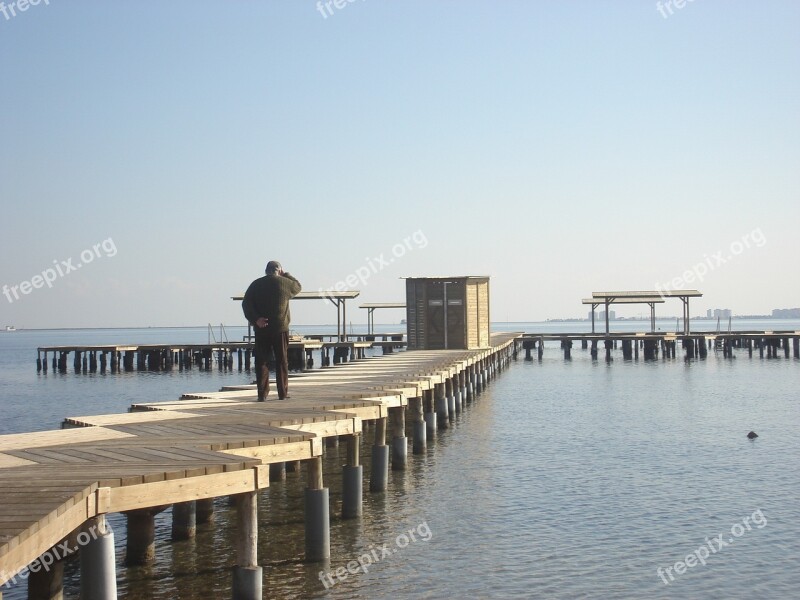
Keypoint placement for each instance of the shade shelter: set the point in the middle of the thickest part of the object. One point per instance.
(337, 298)
(651, 302)
(608, 298)
(371, 306)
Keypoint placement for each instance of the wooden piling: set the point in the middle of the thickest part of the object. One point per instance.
(184, 521)
(247, 576)
(46, 583)
(141, 541)
(204, 511)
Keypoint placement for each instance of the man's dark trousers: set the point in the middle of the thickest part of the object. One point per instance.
(279, 343)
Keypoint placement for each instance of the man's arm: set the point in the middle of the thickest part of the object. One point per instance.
(247, 306)
(295, 288)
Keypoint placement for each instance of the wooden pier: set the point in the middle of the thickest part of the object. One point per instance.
(768, 344)
(118, 358)
(56, 487)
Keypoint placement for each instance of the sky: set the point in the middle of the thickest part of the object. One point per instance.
(155, 155)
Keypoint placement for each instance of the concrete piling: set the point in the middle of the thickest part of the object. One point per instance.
(380, 458)
(352, 478)
(397, 415)
(419, 437)
(98, 561)
(440, 405)
(317, 513)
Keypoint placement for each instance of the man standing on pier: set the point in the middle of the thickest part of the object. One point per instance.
(266, 307)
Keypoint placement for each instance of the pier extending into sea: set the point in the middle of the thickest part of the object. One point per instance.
(57, 487)
(117, 358)
(767, 344)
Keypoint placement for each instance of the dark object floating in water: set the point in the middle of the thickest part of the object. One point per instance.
(752, 435)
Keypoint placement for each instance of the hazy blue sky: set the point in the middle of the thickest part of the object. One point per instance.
(560, 147)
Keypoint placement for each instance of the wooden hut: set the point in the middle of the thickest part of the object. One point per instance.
(447, 312)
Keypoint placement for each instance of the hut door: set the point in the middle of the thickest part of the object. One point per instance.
(445, 315)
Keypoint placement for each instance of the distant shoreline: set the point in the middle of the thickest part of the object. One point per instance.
(402, 326)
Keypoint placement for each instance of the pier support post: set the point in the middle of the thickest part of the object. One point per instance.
(204, 511)
(352, 477)
(418, 425)
(470, 381)
(795, 348)
(46, 580)
(184, 521)
(450, 392)
(430, 414)
(141, 544)
(593, 350)
(277, 471)
(98, 563)
(440, 405)
(627, 350)
(318, 527)
(540, 349)
(380, 458)
(609, 345)
(247, 575)
(397, 415)
(703, 349)
(457, 395)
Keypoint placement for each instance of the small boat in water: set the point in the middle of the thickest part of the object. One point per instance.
(10, 328)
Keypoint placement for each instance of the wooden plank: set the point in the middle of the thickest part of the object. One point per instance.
(281, 453)
(7, 460)
(57, 437)
(117, 419)
(181, 490)
(48, 533)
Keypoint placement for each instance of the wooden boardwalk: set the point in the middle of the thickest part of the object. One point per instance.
(212, 444)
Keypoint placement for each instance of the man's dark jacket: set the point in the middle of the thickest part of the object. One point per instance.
(269, 297)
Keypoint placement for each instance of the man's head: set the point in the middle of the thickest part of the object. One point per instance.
(273, 267)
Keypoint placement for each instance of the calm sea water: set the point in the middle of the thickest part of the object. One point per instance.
(564, 479)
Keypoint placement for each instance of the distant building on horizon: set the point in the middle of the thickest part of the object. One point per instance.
(719, 313)
(601, 315)
(786, 313)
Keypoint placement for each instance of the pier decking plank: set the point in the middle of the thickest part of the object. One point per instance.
(207, 444)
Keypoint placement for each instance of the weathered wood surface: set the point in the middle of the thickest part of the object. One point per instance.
(206, 445)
